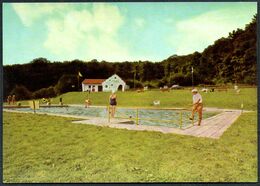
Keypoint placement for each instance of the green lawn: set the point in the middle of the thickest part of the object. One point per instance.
(41, 148)
(175, 98)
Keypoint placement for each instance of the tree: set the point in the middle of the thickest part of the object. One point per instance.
(21, 92)
(66, 83)
(226, 60)
(44, 93)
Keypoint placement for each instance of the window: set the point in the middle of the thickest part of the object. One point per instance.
(106, 86)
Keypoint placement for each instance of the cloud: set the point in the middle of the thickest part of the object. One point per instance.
(31, 12)
(197, 33)
(139, 22)
(168, 20)
(107, 18)
(87, 34)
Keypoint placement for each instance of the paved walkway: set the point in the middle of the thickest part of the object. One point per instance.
(215, 126)
(212, 127)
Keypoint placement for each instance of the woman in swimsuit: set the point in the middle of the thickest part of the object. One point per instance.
(112, 102)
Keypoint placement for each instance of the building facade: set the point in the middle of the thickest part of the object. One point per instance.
(92, 85)
(113, 83)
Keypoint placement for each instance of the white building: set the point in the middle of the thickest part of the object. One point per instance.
(93, 85)
(113, 83)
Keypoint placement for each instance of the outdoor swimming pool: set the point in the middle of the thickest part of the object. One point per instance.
(153, 117)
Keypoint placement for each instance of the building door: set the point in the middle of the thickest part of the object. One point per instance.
(120, 88)
(99, 88)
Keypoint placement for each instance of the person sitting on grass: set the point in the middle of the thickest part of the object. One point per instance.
(44, 100)
(197, 105)
(48, 101)
(112, 103)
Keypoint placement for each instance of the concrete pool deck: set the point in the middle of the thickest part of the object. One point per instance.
(212, 127)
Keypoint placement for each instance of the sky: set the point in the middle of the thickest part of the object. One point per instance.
(116, 31)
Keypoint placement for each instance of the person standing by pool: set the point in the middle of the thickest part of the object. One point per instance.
(112, 102)
(9, 99)
(61, 103)
(197, 105)
(13, 99)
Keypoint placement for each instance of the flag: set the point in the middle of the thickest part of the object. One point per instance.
(80, 75)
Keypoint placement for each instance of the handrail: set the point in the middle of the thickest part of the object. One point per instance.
(137, 118)
(152, 108)
(148, 119)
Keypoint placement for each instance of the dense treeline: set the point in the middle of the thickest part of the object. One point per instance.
(228, 60)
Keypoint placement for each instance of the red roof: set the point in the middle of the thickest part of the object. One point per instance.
(93, 81)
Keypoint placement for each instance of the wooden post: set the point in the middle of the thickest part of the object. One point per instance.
(180, 119)
(108, 108)
(137, 117)
(192, 76)
(34, 106)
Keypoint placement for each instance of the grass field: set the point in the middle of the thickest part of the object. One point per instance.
(39, 148)
(175, 98)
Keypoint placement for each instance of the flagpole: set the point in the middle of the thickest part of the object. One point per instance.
(78, 82)
(134, 79)
(192, 76)
(79, 75)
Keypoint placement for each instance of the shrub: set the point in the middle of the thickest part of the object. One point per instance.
(21, 92)
(177, 78)
(162, 82)
(44, 93)
(137, 83)
(152, 84)
(66, 83)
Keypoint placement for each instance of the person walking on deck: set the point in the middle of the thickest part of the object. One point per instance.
(197, 105)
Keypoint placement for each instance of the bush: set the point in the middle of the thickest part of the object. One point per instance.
(137, 83)
(21, 92)
(44, 93)
(65, 84)
(177, 78)
(152, 84)
(163, 82)
(250, 80)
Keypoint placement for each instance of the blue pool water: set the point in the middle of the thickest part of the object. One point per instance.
(154, 115)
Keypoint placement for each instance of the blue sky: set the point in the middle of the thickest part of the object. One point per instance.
(116, 31)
